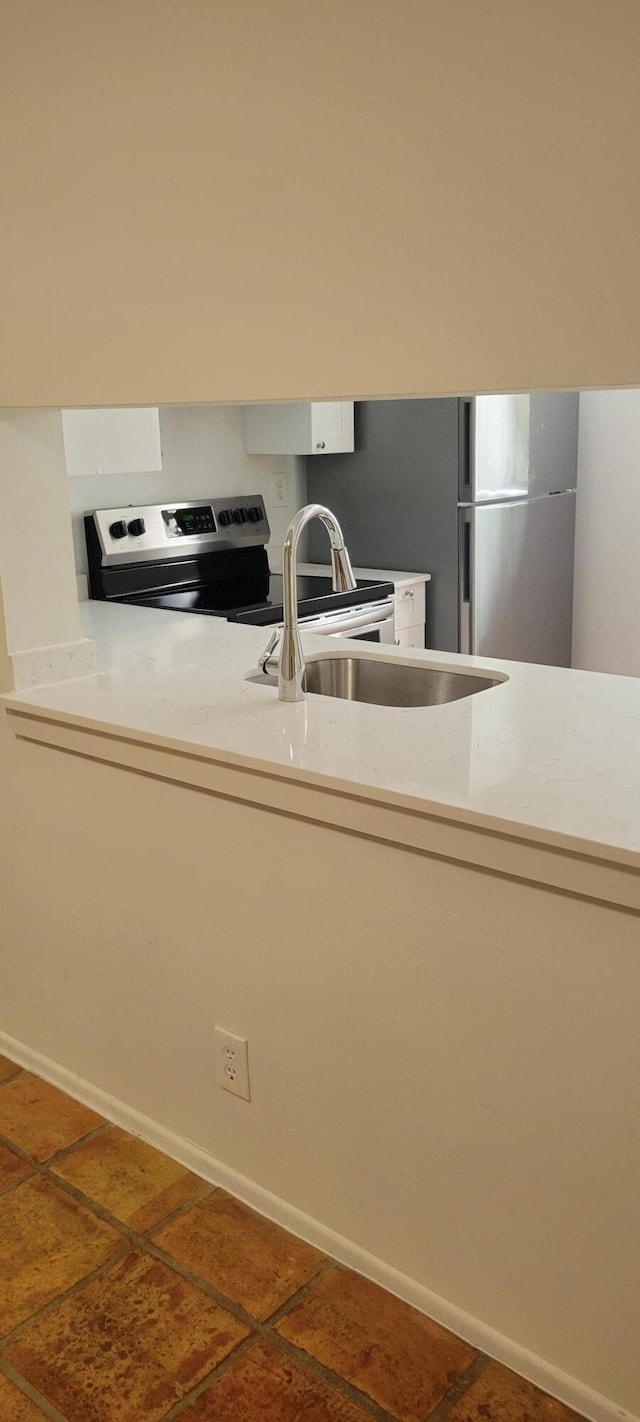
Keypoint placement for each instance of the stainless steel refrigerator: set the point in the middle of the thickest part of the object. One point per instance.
(481, 494)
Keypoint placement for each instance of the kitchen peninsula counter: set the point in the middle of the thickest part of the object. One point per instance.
(537, 778)
(424, 922)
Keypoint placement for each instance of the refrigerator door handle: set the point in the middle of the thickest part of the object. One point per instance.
(465, 451)
(465, 597)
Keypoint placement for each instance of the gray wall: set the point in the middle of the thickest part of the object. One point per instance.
(396, 499)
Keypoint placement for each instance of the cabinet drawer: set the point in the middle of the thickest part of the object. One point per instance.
(409, 606)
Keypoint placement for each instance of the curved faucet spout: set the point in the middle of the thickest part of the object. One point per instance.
(291, 665)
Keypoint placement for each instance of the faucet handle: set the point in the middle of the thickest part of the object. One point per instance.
(341, 571)
(269, 652)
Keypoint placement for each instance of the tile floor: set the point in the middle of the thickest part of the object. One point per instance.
(132, 1291)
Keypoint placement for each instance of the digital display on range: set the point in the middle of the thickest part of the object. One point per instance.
(180, 523)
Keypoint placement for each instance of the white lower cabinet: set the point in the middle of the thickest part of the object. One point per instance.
(409, 607)
(411, 636)
(404, 636)
(410, 614)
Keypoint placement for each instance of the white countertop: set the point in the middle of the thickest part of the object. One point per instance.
(550, 756)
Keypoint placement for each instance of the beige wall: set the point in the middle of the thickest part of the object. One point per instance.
(35, 532)
(449, 1079)
(261, 200)
(606, 599)
(39, 623)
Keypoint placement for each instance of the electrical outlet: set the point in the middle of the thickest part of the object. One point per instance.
(232, 1063)
(279, 489)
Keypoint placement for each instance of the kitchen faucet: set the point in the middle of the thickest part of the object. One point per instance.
(291, 665)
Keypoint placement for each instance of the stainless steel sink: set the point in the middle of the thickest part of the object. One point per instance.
(391, 683)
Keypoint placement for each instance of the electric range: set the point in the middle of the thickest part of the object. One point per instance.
(211, 558)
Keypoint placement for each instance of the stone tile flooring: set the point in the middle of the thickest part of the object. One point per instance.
(132, 1291)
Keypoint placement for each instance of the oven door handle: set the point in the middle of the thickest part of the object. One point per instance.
(335, 624)
(330, 624)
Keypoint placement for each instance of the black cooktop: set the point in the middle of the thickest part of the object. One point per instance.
(257, 600)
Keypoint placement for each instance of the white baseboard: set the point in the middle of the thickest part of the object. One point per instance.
(545, 1375)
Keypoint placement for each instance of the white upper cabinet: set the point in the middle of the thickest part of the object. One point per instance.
(320, 427)
(112, 441)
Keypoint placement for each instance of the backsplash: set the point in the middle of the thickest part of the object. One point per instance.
(202, 455)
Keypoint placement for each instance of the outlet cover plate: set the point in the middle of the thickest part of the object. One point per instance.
(232, 1063)
(280, 490)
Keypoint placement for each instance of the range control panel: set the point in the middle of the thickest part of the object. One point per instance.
(132, 535)
(183, 523)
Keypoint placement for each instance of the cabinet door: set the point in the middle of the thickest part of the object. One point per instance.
(322, 427)
(331, 427)
(410, 636)
(112, 441)
(277, 429)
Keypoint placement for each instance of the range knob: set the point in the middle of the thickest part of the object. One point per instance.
(118, 529)
(136, 527)
(240, 515)
(255, 514)
(225, 517)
